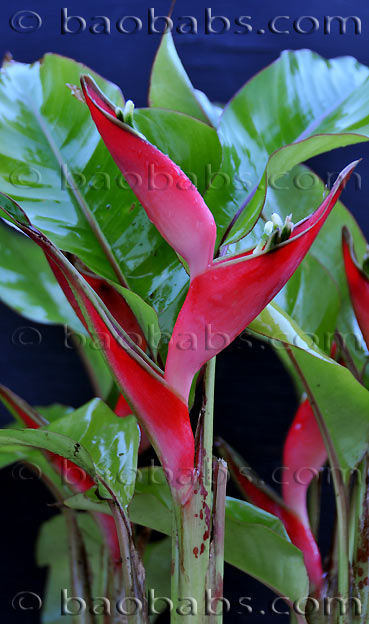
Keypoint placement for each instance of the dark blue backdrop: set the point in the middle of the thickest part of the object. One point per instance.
(254, 401)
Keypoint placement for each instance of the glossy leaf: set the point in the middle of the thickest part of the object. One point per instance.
(175, 208)
(52, 442)
(300, 299)
(111, 442)
(255, 544)
(28, 285)
(299, 106)
(223, 300)
(342, 400)
(170, 86)
(47, 139)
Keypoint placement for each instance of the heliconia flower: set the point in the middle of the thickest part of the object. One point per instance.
(358, 283)
(79, 481)
(258, 494)
(159, 410)
(304, 454)
(225, 298)
(169, 198)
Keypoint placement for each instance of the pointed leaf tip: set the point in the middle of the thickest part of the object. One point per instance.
(222, 301)
(177, 209)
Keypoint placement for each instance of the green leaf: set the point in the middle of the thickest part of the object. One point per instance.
(28, 285)
(152, 497)
(157, 560)
(299, 106)
(256, 543)
(342, 400)
(96, 217)
(300, 299)
(54, 411)
(146, 317)
(52, 442)
(112, 443)
(53, 552)
(248, 530)
(170, 86)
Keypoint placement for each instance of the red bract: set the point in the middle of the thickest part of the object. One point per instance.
(261, 496)
(304, 454)
(226, 297)
(123, 314)
(177, 209)
(117, 306)
(159, 410)
(358, 283)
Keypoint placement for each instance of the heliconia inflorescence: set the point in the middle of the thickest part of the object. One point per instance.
(224, 295)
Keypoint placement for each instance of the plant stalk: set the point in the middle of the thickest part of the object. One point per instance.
(193, 590)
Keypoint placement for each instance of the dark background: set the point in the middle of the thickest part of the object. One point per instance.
(255, 401)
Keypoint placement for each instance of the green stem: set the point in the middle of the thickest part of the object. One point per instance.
(192, 527)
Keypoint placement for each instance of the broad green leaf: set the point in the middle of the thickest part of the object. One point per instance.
(256, 543)
(152, 497)
(301, 299)
(49, 441)
(52, 551)
(170, 86)
(157, 560)
(87, 501)
(342, 400)
(54, 411)
(28, 285)
(72, 190)
(248, 530)
(299, 106)
(112, 443)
